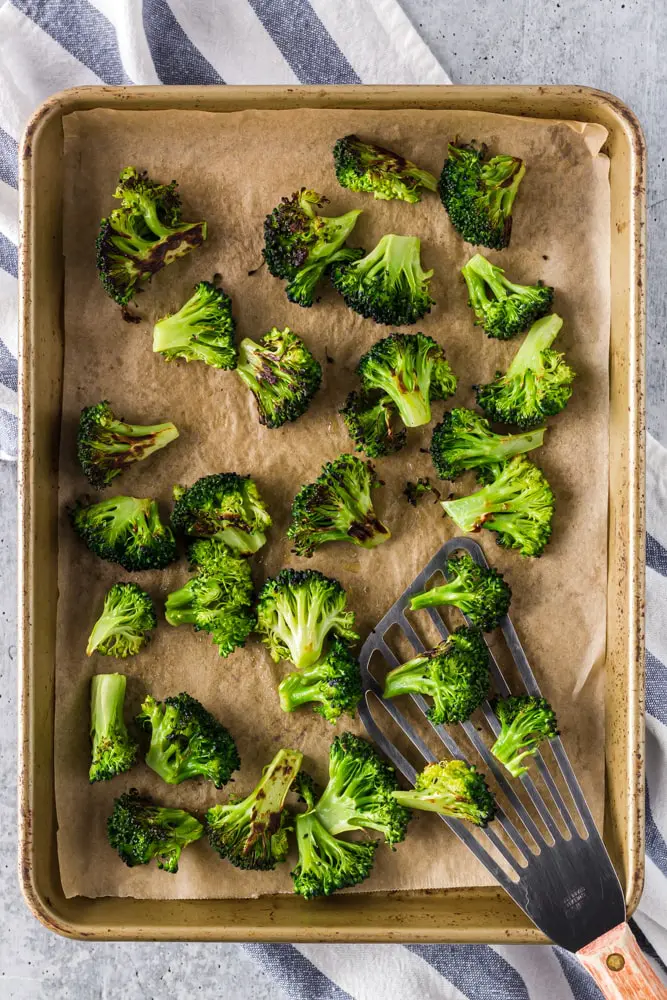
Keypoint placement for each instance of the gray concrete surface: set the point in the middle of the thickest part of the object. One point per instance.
(615, 46)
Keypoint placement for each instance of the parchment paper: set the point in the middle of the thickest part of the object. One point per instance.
(233, 168)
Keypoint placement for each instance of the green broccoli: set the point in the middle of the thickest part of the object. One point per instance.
(525, 722)
(372, 422)
(332, 685)
(187, 741)
(225, 506)
(282, 375)
(537, 384)
(337, 507)
(125, 530)
(106, 446)
(455, 675)
(252, 832)
(143, 235)
(201, 330)
(300, 246)
(451, 788)
(364, 166)
(502, 308)
(114, 751)
(388, 285)
(413, 492)
(327, 863)
(296, 611)
(140, 831)
(480, 592)
(464, 440)
(518, 505)
(125, 625)
(479, 193)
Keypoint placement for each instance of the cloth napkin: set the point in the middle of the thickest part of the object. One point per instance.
(48, 45)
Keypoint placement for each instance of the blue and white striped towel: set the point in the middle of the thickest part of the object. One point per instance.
(47, 45)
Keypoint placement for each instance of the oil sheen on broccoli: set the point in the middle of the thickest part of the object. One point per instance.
(525, 722)
(225, 506)
(125, 625)
(113, 749)
(332, 686)
(106, 446)
(464, 440)
(451, 788)
(365, 166)
(281, 373)
(373, 423)
(201, 330)
(125, 530)
(502, 308)
(480, 592)
(140, 831)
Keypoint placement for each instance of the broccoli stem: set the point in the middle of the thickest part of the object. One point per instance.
(107, 696)
(300, 688)
(175, 331)
(448, 593)
(126, 434)
(409, 678)
(110, 623)
(539, 338)
(523, 734)
(179, 607)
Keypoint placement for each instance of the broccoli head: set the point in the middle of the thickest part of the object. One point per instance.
(537, 384)
(525, 721)
(518, 505)
(225, 506)
(114, 751)
(363, 166)
(337, 507)
(464, 440)
(252, 832)
(327, 863)
(201, 330)
(296, 611)
(332, 685)
(372, 422)
(282, 375)
(106, 446)
(140, 831)
(125, 530)
(455, 675)
(480, 592)
(502, 308)
(479, 193)
(143, 235)
(125, 625)
(187, 741)
(451, 788)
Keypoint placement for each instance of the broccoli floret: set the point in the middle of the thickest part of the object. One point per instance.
(282, 375)
(306, 789)
(143, 235)
(364, 166)
(337, 507)
(332, 685)
(388, 285)
(201, 330)
(525, 721)
(411, 369)
(125, 625)
(479, 194)
(451, 788)
(373, 424)
(225, 506)
(480, 592)
(114, 751)
(455, 675)
(502, 308)
(106, 446)
(296, 611)
(125, 530)
(252, 832)
(327, 863)
(464, 440)
(140, 831)
(413, 492)
(518, 505)
(537, 384)
(187, 741)
(300, 245)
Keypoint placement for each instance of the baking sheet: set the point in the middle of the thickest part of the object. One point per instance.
(233, 169)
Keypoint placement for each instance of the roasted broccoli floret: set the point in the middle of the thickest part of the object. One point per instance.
(479, 193)
(114, 751)
(252, 832)
(537, 384)
(106, 446)
(525, 721)
(125, 530)
(187, 741)
(502, 308)
(337, 507)
(300, 245)
(143, 235)
(373, 423)
(201, 330)
(411, 369)
(296, 611)
(364, 166)
(225, 506)
(332, 685)
(140, 831)
(480, 592)
(281, 373)
(388, 285)
(464, 440)
(125, 625)
(413, 492)
(455, 675)
(327, 863)
(518, 505)
(451, 788)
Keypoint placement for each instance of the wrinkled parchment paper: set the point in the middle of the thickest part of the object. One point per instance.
(233, 168)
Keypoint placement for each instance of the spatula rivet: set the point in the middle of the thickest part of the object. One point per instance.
(615, 962)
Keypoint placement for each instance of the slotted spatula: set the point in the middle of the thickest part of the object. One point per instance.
(566, 883)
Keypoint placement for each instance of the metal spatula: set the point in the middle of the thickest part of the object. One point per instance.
(549, 858)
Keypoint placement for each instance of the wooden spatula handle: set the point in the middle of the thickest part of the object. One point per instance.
(619, 967)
